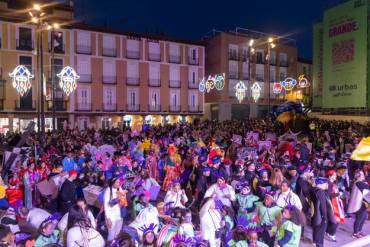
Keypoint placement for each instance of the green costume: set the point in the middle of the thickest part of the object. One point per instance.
(268, 215)
(294, 229)
(246, 203)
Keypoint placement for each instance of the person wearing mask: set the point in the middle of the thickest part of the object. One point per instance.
(359, 203)
(287, 197)
(67, 195)
(224, 192)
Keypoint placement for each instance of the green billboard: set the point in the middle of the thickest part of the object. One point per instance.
(317, 65)
(345, 55)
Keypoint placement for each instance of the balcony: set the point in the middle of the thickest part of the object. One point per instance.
(193, 61)
(260, 77)
(133, 54)
(132, 81)
(25, 106)
(57, 49)
(244, 58)
(133, 108)
(154, 82)
(194, 108)
(25, 44)
(174, 59)
(109, 52)
(233, 56)
(85, 78)
(233, 74)
(245, 76)
(174, 108)
(283, 63)
(83, 49)
(109, 79)
(109, 107)
(84, 107)
(175, 84)
(154, 57)
(192, 85)
(154, 108)
(60, 105)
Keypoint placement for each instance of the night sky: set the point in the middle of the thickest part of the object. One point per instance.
(191, 19)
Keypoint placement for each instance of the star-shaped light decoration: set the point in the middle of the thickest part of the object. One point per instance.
(68, 80)
(256, 91)
(21, 77)
(240, 91)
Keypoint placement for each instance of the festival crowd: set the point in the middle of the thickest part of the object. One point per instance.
(234, 183)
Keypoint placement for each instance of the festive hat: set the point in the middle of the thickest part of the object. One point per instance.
(22, 236)
(146, 229)
(182, 239)
(216, 159)
(321, 180)
(72, 172)
(330, 173)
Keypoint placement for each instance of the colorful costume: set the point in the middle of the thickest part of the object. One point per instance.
(246, 206)
(289, 234)
(172, 167)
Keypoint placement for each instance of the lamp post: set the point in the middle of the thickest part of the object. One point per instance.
(270, 45)
(250, 52)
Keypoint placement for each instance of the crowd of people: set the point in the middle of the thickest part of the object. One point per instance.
(234, 183)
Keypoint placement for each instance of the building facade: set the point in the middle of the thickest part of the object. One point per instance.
(125, 78)
(233, 54)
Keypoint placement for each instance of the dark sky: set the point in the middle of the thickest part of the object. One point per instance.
(191, 19)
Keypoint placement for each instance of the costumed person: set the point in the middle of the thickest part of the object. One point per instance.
(175, 195)
(224, 192)
(6, 237)
(33, 217)
(149, 237)
(292, 177)
(172, 167)
(29, 183)
(141, 203)
(217, 169)
(151, 162)
(112, 208)
(202, 181)
(79, 230)
(263, 184)
(69, 162)
(289, 231)
(287, 197)
(67, 195)
(252, 237)
(268, 214)
(186, 227)
(239, 238)
(246, 202)
(304, 188)
(322, 211)
(146, 217)
(48, 233)
(211, 222)
(359, 203)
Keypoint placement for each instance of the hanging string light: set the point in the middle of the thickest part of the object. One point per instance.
(240, 91)
(68, 80)
(21, 77)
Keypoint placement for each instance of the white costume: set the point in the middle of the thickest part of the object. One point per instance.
(62, 225)
(36, 216)
(177, 198)
(147, 216)
(112, 213)
(148, 183)
(187, 230)
(80, 237)
(283, 199)
(210, 221)
(221, 193)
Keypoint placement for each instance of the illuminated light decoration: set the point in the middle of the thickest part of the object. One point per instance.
(21, 77)
(148, 119)
(127, 118)
(219, 82)
(256, 91)
(289, 83)
(303, 82)
(210, 84)
(202, 86)
(68, 80)
(277, 88)
(240, 91)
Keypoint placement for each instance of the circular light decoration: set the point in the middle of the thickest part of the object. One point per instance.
(219, 82)
(289, 83)
(21, 77)
(277, 88)
(202, 86)
(68, 80)
(303, 82)
(210, 84)
(256, 91)
(240, 90)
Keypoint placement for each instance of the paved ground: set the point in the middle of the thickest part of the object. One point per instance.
(344, 235)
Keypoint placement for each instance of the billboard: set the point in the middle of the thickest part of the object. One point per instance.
(345, 55)
(317, 65)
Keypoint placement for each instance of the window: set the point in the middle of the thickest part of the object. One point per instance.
(174, 76)
(272, 74)
(154, 99)
(109, 99)
(154, 75)
(109, 46)
(83, 43)
(233, 69)
(232, 84)
(133, 99)
(175, 97)
(26, 61)
(193, 56)
(245, 68)
(84, 98)
(193, 101)
(272, 57)
(282, 73)
(193, 77)
(174, 56)
(25, 41)
(154, 51)
(57, 65)
(245, 54)
(304, 70)
(233, 52)
(260, 58)
(260, 73)
(283, 59)
(84, 68)
(56, 39)
(132, 73)
(109, 71)
(133, 49)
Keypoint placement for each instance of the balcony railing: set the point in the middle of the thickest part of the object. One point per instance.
(193, 61)
(84, 49)
(109, 52)
(194, 108)
(57, 49)
(174, 108)
(154, 57)
(233, 74)
(245, 76)
(85, 78)
(233, 56)
(192, 85)
(175, 83)
(110, 107)
(133, 108)
(84, 107)
(25, 44)
(154, 82)
(283, 63)
(260, 78)
(154, 108)
(133, 54)
(174, 59)
(109, 79)
(25, 106)
(60, 105)
(133, 81)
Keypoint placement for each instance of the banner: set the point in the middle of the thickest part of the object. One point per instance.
(345, 55)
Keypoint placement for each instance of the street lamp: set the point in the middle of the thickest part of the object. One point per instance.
(270, 45)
